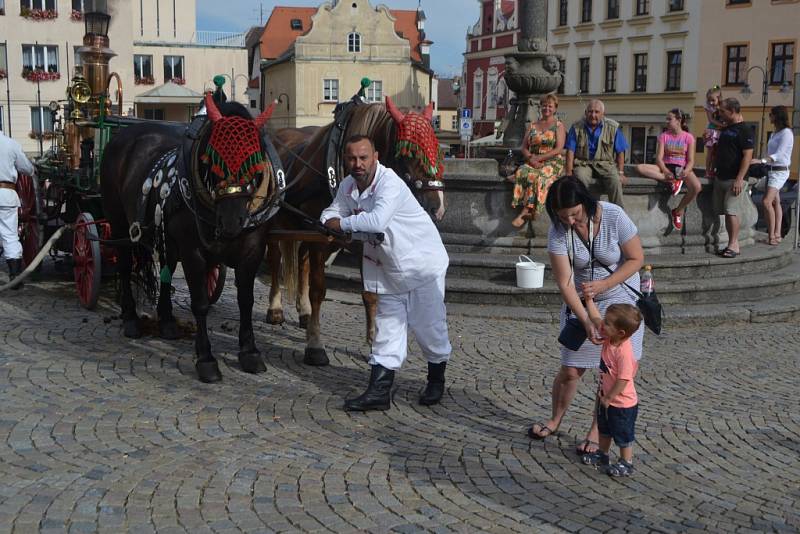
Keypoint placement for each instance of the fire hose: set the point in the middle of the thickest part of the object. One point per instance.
(38, 259)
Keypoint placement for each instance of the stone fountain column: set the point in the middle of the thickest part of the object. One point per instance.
(530, 72)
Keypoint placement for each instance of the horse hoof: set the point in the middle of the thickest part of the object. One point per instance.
(169, 330)
(208, 372)
(275, 316)
(251, 361)
(303, 322)
(316, 357)
(130, 328)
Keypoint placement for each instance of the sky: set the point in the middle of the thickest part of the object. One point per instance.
(446, 25)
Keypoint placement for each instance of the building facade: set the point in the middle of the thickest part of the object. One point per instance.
(155, 42)
(316, 58)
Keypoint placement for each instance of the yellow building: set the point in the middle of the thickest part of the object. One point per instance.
(314, 58)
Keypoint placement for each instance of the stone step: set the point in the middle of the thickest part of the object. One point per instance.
(751, 287)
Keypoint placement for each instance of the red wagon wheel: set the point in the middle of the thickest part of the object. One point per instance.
(86, 258)
(30, 231)
(215, 282)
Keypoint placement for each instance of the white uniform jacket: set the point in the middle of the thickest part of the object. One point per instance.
(11, 158)
(412, 252)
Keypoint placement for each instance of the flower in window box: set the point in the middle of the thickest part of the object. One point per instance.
(144, 80)
(3, 74)
(39, 75)
(38, 14)
(76, 15)
(46, 135)
(179, 81)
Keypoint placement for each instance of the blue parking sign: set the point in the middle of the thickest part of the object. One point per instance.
(466, 113)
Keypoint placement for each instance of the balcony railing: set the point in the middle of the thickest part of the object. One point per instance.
(223, 39)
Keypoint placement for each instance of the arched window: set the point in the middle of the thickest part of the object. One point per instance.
(354, 42)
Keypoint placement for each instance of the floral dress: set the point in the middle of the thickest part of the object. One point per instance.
(531, 184)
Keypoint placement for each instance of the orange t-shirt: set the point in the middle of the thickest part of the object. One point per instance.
(619, 363)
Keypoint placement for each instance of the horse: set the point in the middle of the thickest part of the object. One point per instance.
(199, 201)
(399, 140)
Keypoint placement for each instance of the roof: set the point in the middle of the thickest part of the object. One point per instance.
(278, 35)
(169, 93)
(445, 97)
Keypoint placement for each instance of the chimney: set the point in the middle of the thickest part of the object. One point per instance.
(95, 53)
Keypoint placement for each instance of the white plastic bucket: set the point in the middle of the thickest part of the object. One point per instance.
(530, 275)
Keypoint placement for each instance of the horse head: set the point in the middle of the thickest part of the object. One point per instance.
(236, 164)
(419, 160)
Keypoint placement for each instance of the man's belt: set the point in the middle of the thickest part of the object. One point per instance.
(8, 185)
(779, 168)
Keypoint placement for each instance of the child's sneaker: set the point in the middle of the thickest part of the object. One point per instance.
(597, 458)
(620, 469)
(677, 219)
(676, 186)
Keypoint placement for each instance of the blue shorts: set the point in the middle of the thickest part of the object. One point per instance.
(617, 423)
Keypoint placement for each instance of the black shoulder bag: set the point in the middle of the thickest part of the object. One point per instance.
(649, 305)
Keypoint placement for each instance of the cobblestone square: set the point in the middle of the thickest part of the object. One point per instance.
(105, 434)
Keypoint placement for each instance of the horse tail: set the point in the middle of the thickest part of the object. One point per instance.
(290, 251)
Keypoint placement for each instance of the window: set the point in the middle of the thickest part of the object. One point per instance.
(477, 93)
(454, 122)
(173, 68)
(296, 24)
(38, 4)
(643, 146)
(375, 91)
(41, 119)
(40, 57)
(611, 74)
(253, 104)
(562, 12)
(154, 114)
(781, 64)
(736, 64)
(639, 73)
(675, 5)
(586, 11)
(737, 2)
(353, 42)
(142, 67)
(77, 60)
(88, 6)
(613, 9)
(562, 68)
(583, 75)
(2, 12)
(674, 60)
(642, 7)
(3, 65)
(330, 90)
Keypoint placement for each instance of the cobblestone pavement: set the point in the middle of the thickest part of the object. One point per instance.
(101, 433)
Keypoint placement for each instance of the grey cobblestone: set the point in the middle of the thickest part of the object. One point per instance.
(103, 434)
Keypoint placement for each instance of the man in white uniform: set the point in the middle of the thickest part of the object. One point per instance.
(407, 270)
(12, 161)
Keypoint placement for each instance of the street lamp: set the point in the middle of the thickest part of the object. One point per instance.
(232, 78)
(747, 91)
(287, 101)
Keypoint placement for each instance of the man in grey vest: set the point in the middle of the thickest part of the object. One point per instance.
(596, 149)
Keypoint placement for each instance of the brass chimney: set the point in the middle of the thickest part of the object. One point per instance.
(95, 55)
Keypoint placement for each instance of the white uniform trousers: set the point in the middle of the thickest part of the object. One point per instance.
(9, 236)
(423, 311)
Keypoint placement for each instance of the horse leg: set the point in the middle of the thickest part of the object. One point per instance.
(195, 268)
(130, 320)
(249, 356)
(275, 310)
(167, 325)
(315, 351)
(304, 308)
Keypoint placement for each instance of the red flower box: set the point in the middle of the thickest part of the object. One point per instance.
(3, 74)
(40, 75)
(179, 81)
(38, 14)
(144, 80)
(41, 135)
(76, 15)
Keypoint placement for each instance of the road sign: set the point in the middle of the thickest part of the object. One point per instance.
(465, 126)
(466, 113)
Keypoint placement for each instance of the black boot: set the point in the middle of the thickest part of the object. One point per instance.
(14, 269)
(377, 395)
(435, 388)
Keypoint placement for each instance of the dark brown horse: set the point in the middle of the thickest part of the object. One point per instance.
(303, 154)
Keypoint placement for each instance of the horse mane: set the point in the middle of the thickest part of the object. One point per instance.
(231, 109)
(375, 122)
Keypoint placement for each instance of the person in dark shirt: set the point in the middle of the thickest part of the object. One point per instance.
(732, 159)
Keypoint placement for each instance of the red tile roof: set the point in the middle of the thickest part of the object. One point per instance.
(278, 34)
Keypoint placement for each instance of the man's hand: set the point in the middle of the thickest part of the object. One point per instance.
(738, 186)
(622, 178)
(334, 224)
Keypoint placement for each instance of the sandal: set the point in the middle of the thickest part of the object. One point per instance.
(596, 459)
(543, 431)
(620, 469)
(728, 253)
(584, 447)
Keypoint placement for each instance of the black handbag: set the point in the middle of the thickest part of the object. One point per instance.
(758, 170)
(573, 334)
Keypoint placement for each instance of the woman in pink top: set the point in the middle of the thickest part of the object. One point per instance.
(674, 163)
(617, 401)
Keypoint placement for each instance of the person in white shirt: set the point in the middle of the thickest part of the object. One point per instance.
(12, 162)
(779, 158)
(406, 270)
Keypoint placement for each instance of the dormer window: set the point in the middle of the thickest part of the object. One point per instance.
(354, 42)
(297, 24)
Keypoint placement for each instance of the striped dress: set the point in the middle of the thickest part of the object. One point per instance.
(616, 228)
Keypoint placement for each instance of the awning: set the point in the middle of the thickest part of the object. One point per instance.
(489, 140)
(644, 118)
(169, 93)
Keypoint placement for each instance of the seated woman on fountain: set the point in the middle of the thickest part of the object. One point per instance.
(674, 163)
(543, 150)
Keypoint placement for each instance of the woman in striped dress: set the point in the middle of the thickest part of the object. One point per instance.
(614, 242)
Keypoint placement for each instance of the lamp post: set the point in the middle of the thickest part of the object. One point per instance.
(232, 78)
(287, 101)
(746, 90)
